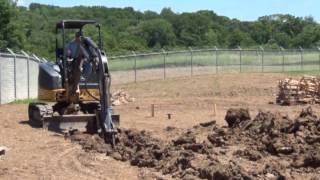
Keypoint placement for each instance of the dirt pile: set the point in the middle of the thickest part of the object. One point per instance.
(121, 97)
(129, 142)
(236, 116)
(184, 157)
(269, 146)
(277, 135)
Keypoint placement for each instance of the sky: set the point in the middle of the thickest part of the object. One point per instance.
(247, 10)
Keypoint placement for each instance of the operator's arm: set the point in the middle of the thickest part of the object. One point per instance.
(91, 47)
(84, 53)
(70, 50)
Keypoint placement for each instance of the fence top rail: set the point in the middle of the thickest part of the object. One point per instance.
(6, 53)
(134, 54)
(9, 55)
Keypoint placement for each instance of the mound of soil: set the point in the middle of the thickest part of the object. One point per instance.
(270, 146)
(298, 139)
(236, 116)
(183, 157)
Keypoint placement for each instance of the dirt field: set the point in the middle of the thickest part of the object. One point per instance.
(38, 154)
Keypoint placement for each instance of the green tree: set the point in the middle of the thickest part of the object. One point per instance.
(211, 38)
(11, 34)
(260, 32)
(282, 39)
(308, 37)
(238, 38)
(168, 15)
(157, 32)
(191, 28)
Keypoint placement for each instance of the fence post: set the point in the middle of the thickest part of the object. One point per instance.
(216, 50)
(36, 57)
(14, 73)
(282, 53)
(135, 66)
(28, 71)
(191, 59)
(262, 58)
(164, 63)
(301, 57)
(240, 60)
(0, 83)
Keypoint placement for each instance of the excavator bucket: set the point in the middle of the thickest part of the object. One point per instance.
(66, 122)
(116, 120)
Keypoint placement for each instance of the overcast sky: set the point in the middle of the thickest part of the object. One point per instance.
(241, 9)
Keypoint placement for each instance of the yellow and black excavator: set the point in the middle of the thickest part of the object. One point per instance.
(89, 108)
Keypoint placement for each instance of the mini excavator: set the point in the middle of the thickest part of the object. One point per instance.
(90, 109)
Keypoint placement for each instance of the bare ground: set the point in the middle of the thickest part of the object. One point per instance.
(38, 154)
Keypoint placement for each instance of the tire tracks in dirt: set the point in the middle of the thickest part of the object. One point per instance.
(72, 162)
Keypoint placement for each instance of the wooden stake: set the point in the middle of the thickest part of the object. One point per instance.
(215, 110)
(152, 110)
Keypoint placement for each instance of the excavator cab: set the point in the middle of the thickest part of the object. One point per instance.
(90, 109)
(65, 31)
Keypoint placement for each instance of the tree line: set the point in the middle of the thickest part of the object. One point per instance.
(125, 29)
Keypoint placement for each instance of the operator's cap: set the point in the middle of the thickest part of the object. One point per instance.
(78, 34)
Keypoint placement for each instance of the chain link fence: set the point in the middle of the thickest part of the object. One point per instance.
(163, 64)
(19, 70)
(18, 75)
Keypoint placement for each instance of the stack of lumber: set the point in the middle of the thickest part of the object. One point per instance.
(306, 90)
(120, 97)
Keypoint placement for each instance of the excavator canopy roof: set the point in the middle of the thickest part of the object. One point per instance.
(74, 24)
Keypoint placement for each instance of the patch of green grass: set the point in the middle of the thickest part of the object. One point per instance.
(305, 72)
(272, 61)
(23, 101)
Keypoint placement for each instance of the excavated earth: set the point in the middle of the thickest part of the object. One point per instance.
(268, 146)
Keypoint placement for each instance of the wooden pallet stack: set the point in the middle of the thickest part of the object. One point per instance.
(306, 90)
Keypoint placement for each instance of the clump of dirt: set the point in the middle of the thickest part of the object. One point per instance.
(89, 142)
(236, 116)
(248, 154)
(187, 138)
(310, 159)
(270, 172)
(208, 124)
(264, 122)
(211, 152)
